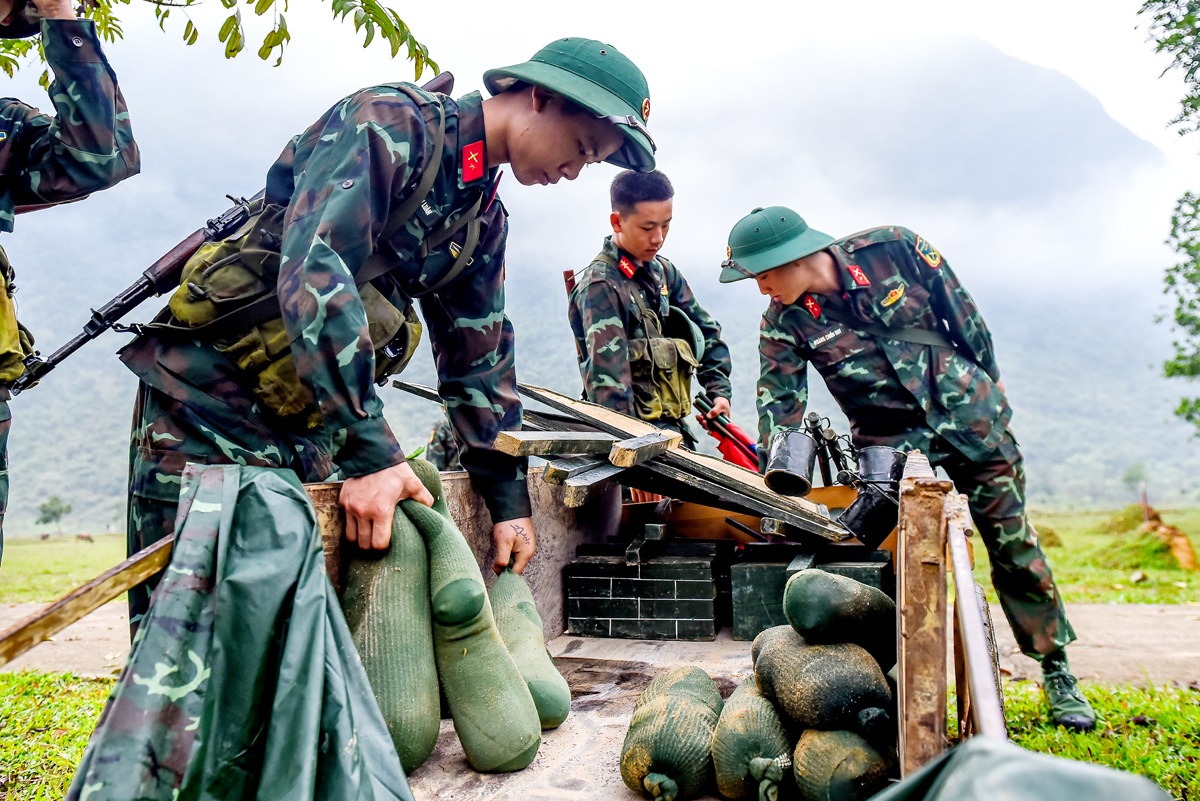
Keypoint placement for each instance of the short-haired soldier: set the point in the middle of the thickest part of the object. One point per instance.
(639, 331)
(85, 147)
(353, 252)
(905, 352)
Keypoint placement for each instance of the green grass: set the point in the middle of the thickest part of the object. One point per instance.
(1152, 731)
(36, 570)
(45, 722)
(1087, 545)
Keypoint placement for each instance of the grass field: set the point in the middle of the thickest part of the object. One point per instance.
(42, 570)
(1085, 543)
(45, 720)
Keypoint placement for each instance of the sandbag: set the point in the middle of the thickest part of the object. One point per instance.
(386, 603)
(826, 608)
(667, 751)
(520, 627)
(751, 753)
(819, 686)
(494, 714)
(837, 766)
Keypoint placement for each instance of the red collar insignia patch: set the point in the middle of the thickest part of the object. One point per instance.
(929, 253)
(472, 162)
(811, 304)
(627, 267)
(858, 275)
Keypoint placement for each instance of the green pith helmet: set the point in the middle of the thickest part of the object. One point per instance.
(25, 22)
(767, 238)
(596, 76)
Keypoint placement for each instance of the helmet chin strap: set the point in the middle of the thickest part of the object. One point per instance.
(632, 122)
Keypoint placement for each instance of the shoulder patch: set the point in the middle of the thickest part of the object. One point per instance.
(627, 267)
(472, 162)
(929, 253)
(811, 304)
(858, 275)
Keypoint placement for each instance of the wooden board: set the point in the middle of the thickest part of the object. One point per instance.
(698, 469)
(634, 451)
(560, 470)
(552, 443)
(583, 487)
(921, 612)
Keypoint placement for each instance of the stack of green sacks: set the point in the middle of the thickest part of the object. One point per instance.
(816, 722)
(419, 613)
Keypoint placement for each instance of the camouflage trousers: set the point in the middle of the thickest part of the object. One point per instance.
(168, 435)
(995, 490)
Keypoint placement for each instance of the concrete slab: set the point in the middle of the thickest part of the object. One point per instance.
(95, 646)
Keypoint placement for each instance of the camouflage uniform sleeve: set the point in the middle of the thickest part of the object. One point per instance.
(87, 146)
(951, 302)
(600, 330)
(473, 347)
(716, 365)
(783, 376)
(360, 160)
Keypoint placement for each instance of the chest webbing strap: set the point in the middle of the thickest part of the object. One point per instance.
(919, 336)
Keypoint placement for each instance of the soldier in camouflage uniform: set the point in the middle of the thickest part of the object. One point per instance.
(576, 102)
(87, 146)
(904, 350)
(631, 306)
(442, 449)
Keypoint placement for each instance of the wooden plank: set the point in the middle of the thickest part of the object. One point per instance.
(634, 451)
(921, 613)
(585, 486)
(552, 443)
(560, 470)
(85, 599)
(805, 515)
(532, 421)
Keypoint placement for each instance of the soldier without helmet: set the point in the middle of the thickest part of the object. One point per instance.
(905, 352)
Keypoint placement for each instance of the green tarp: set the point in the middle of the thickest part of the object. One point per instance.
(991, 769)
(243, 681)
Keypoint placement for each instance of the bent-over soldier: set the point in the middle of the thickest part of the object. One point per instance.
(639, 331)
(389, 197)
(85, 147)
(905, 352)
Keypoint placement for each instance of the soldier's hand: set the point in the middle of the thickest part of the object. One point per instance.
(514, 540)
(370, 501)
(720, 406)
(55, 9)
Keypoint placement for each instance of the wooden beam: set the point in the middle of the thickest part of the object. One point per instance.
(921, 613)
(560, 470)
(634, 451)
(552, 443)
(690, 466)
(85, 599)
(583, 487)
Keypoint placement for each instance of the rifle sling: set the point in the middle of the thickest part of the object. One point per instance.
(919, 336)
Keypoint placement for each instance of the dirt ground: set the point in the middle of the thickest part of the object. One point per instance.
(1118, 644)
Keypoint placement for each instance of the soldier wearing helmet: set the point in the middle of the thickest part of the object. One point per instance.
(905, 352)
(338, 189)
(44, 160)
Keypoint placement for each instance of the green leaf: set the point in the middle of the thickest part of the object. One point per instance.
(262, 6)
(227, 27)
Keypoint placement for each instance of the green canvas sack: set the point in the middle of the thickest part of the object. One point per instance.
(227, 294)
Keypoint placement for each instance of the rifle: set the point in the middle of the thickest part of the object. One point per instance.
(160, 277)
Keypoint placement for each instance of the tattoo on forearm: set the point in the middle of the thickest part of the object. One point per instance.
(521, 533)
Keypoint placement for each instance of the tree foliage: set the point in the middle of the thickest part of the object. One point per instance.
(52, 511)
(1174, 27)
(1183, 287)
(372, 19)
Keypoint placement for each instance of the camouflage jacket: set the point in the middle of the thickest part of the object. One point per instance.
(604, 316)
(338, 180)
(894, 278)
(87, 146)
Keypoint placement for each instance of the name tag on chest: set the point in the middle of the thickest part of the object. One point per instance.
(826, 337)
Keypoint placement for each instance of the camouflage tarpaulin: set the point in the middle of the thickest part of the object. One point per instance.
(243, 681)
